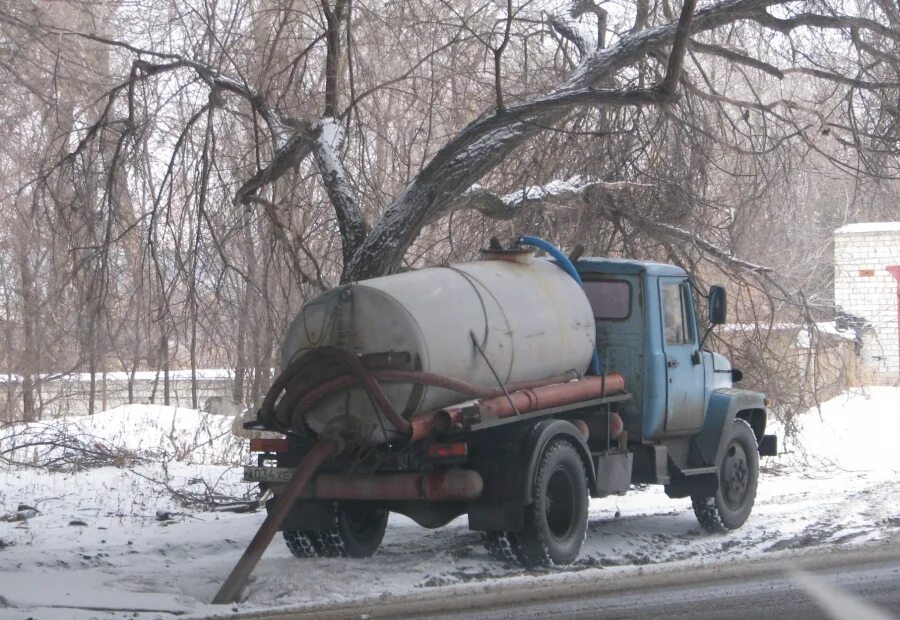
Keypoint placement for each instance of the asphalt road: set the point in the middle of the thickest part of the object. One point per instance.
(760, 596)
(862, 583)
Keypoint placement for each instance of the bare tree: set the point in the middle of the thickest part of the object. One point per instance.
(236, 158)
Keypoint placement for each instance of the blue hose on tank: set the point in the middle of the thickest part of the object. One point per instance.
(563, 261)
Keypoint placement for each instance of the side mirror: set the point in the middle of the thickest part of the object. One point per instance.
(718, 305)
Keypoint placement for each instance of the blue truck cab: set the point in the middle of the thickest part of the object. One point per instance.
(683, 407)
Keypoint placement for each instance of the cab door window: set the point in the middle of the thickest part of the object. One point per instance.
(676, 315)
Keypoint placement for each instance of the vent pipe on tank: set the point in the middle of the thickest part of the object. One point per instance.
(496, 251)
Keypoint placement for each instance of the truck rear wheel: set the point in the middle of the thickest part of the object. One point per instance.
(502, 547)
(358, 534)
(738, 477)
(301, 543)
(556, 522)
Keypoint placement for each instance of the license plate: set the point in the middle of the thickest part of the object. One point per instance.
(268, 474)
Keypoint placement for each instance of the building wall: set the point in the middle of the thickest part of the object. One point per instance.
(864, 287)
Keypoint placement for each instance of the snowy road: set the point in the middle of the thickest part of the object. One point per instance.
(751, 589)
(738, 593)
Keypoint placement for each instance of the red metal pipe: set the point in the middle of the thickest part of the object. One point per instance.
(230, 590)
(545, 397)
(554, 395)
(471, 390)
(446, 485)
(422, 426)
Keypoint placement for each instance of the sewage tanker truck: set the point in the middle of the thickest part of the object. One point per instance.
(511, 390)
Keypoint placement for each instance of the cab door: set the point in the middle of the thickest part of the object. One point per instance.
(684, 372)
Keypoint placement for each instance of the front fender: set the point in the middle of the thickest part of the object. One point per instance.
(534, 443)
(724, 405)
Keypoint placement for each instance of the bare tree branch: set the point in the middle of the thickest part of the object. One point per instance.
(295, 150)
(813, 20)
(485, 142)
(736, 57)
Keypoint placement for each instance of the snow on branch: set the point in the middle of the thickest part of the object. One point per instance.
(328, 145)
(578, 190)
(559, 192)
(570, 30)
(571, 27)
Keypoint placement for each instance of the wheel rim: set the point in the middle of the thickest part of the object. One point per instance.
(362, 522)
(735, 480)
(560, 507)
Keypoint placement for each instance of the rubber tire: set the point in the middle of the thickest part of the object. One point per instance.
(300, 543)
(722, 513)
(358, 534)
(556, 521)
(361, 529)
(502, 547)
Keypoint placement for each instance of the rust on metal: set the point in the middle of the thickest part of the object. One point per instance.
(533, 399)
(230, 590)
(603, 426)
(556, 395)
(465, 388)
(446, 485)
(422, 426)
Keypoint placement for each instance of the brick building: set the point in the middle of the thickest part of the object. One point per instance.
(867, 289)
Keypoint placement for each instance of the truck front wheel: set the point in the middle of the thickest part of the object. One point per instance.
(358, 534)
(738, 476)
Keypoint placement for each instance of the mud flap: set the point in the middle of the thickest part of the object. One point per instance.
(702, 484)
(613, 473)
(769, 445)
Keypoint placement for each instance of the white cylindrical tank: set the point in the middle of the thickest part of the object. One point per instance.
(531, 319)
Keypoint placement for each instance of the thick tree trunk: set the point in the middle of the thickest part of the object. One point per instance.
(29, 333)
(164, 347)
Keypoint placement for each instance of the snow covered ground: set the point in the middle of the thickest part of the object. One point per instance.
(97, 547)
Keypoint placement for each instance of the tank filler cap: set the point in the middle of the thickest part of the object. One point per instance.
(513, 254)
